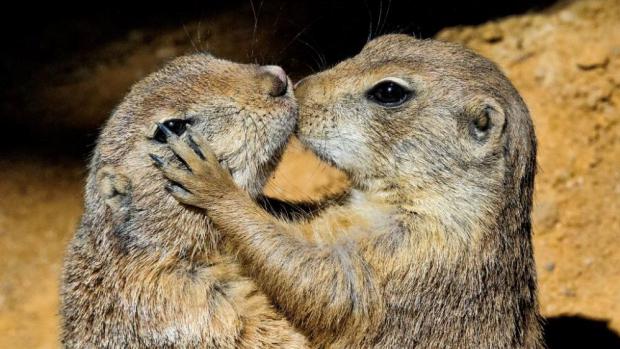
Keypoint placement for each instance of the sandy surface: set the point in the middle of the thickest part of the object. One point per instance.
(566, 64)
(40, 204)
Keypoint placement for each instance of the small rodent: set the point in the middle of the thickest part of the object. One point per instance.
(433, 248)
(143, 271)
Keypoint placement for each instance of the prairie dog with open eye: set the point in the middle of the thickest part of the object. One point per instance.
(433, 248)
(143, 271)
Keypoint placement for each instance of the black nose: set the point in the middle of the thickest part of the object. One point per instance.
(278, 80)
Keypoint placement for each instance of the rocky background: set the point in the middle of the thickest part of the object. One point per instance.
(62, 77)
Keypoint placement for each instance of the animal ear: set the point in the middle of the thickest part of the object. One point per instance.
(114, 188)
(485, 117)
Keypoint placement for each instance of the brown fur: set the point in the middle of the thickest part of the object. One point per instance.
(145, 272)
(433, 249)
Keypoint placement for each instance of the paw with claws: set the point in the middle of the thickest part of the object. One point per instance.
(200, 181)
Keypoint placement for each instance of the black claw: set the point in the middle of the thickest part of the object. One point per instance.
(195, 148)
(167, 132)
(159, 162)
(174, 187)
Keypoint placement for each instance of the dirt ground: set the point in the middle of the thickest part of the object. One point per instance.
(565, 61)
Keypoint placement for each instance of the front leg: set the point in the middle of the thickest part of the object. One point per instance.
(322, 288)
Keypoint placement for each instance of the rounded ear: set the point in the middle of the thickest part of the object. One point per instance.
(484, 118)
(114, 188)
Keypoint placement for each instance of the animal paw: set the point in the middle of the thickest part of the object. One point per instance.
(200, 180)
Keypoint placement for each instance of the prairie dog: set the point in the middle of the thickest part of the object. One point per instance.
(433, 248)
(145, 272)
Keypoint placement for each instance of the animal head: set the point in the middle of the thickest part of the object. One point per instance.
(436, 126)
(246, 112)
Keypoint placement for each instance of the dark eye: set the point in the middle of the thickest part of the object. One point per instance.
(178, 126)
(389, 93)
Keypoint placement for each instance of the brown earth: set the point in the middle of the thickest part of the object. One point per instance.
(565, 61)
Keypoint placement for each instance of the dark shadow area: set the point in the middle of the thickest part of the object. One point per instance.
(568, 332)
(35, 34)
(46, 43)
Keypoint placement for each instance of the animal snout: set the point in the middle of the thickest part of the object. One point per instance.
(303, 87)
(276, 80)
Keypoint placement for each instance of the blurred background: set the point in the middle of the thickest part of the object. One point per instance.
(64, 67)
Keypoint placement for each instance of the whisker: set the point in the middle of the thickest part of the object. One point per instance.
(196, 50)
(370, 28)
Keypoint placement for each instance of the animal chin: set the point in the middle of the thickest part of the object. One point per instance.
(252, 177)
(252, 165)
(327, 154)
(317, 146)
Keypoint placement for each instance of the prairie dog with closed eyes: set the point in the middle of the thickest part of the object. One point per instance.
(145, 272)
(433, 248)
